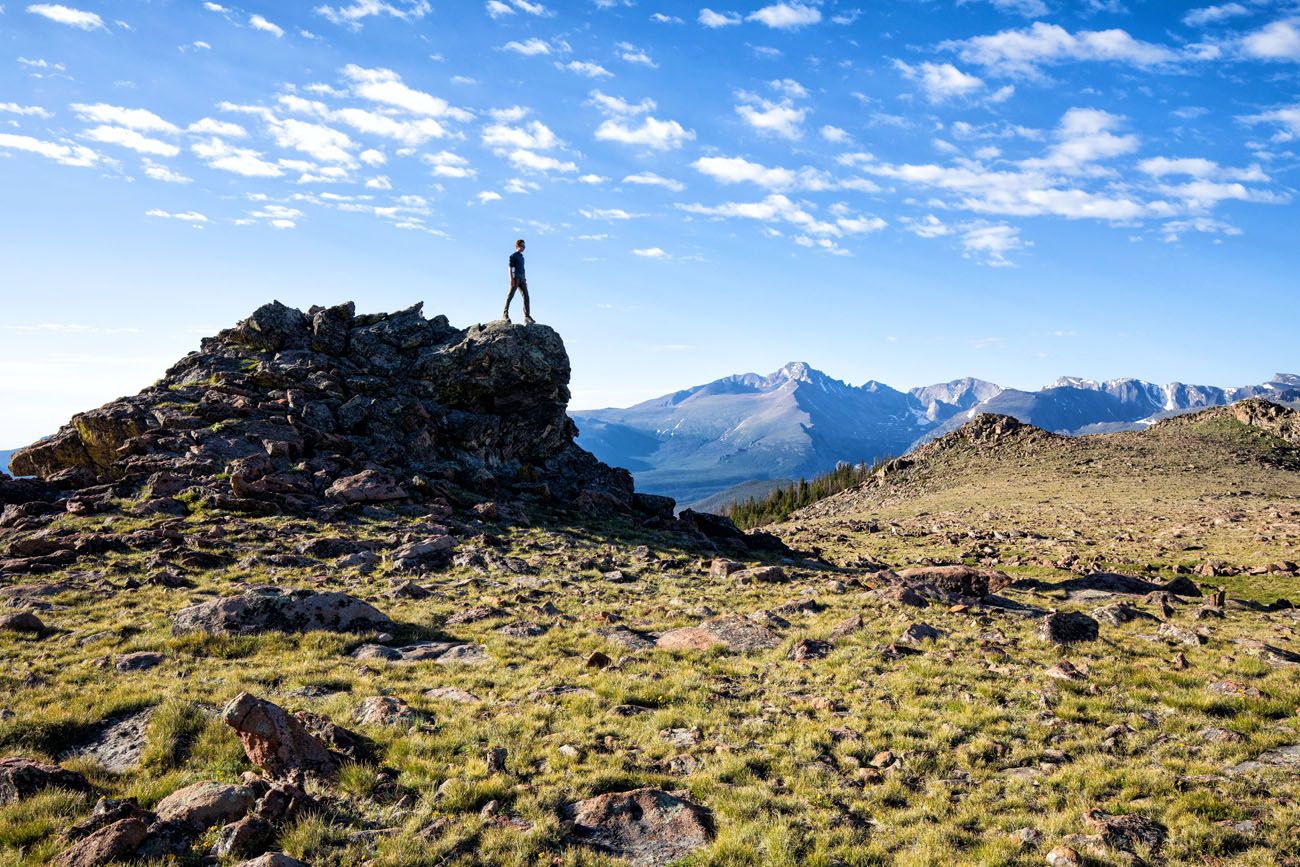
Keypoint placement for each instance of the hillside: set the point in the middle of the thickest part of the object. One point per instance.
(798, 421)
(1222, 484)
(342, 590)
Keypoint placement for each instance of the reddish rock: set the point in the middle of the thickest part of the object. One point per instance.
(275, 741)
(115, 842)
(648, 827)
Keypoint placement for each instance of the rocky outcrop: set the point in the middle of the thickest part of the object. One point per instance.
(21, 778)
(298, 409)
(273, 608)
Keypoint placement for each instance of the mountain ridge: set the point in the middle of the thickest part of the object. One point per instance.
(797, 421)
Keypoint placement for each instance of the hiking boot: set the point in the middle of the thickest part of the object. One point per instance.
(528, 320)
(505, 317)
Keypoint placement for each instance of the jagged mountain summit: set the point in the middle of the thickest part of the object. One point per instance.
(799, 421)
(294, 411)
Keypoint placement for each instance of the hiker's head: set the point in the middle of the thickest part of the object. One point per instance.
(519, 245)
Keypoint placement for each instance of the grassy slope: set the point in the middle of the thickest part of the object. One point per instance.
(1191, 489)
(780, 742)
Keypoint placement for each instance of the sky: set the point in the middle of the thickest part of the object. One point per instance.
(909, 192)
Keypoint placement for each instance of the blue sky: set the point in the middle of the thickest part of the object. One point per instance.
(906, 191)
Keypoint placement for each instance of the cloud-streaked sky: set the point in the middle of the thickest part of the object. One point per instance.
(902, 191)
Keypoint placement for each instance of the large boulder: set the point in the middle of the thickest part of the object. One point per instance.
(114, 842)
(647, 827)
(959, 580)
(273, 608)
(202, 805)
(276, 741)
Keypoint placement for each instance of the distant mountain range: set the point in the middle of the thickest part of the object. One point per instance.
(694, 444)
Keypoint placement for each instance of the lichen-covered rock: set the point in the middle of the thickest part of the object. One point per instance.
(273, 608)
(729, 631)
(202, 805)
(648, 827)
(114, 842)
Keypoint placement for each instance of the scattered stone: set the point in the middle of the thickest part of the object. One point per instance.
(1065, 670)
(23, 621)
(246, 837)
(1180, 634)
(627, 638)
(1217, 735)
(1029, 836)
(367, 486)
(1067, 627)
(722, 567)
(465, 654)
(760, 575)
(496, 759)
(730, 631)
(648, 827)
(114, 842)
(273, 859)
(20, 778)
(273, 608)
(472, 615)
(1270, 653)
(1119, 613)
(522, 629)
(140, 661)
(1283, 758)
(964, 581)
(387, 710)
(1126, 833)
(598, 660)
(1064, 856)
(919, 632)
(1234, 689)
(452, 694)
(202, 805)
(277, 742)
(809, 648)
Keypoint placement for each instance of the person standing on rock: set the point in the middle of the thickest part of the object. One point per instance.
(518, 282)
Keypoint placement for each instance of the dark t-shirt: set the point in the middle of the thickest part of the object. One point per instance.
(517, 265)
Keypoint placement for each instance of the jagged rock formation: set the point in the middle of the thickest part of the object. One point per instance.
(295, 410)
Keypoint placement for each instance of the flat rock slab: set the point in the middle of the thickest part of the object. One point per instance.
(730, 631)
(263, 609)
(648, 827)
(117, 744)
(1283, 758)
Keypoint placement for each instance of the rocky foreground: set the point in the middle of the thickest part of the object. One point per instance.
(429, 630)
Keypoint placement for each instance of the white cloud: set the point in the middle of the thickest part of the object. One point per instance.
(592, 179)
(1084, 136)
(653, 133)
(240, 161)
(64, 154)
(632, 54)
(533, 135)
(67, 15)
(584, 67)
(661, 18)
(989, 244)
(379, 182)
(449, 165)
(607, 214)
(777, 118)
(1277, 41)
(774, 208)
(352, 16)
(735, 170)
(528, 160)
(138, 119)
(834, 134)
(387, 88)
(940, 81)
(129, 138)
(712, 19)
(25, 110)
(528, 48)
(1021, 52)
(1198, 167)
(210, 126)
(183, 216)
(928, 226)
(164, 173)
(787, 16)
(651, 179)
(1027, 8)
(488, 196)
(1173, 231)
(650, 253)
(614, 105)
(1286, 118)
(1213, 14)
(257, 22)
